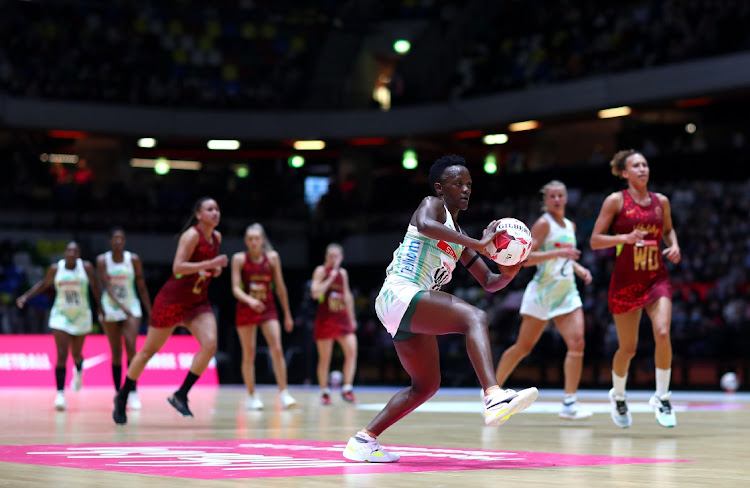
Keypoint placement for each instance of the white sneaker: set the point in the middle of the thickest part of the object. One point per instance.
(501, 404)
(253, 403)
(77, 380)
(573, 411)
(134, 403)
(60, 404)
(287, 400)
(620, 412)
(663, 409)
(362, 450)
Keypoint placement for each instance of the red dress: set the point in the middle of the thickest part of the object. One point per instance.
(639, 277)
(185, 297)
(332, 320)
(257, 279)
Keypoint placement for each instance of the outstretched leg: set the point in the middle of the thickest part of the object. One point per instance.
(528, 335)
(420, 358)
(438, 313)
(155, 339)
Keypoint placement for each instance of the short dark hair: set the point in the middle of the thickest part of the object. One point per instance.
(438, 167)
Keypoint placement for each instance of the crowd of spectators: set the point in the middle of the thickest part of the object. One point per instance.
(537, 42)
(260, 54)
(254, 54)
(227, 54)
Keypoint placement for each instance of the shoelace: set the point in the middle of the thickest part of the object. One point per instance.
(666, 407)
(622, 407)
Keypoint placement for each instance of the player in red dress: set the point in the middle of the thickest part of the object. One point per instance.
(640, 220)
(183, 300)
(335, 320)
(256, 274)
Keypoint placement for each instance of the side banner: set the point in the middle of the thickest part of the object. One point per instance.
(29, 360)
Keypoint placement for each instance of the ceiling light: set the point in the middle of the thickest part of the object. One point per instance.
(526, 125)
(614, 112)
(309, 145)
(223, 145)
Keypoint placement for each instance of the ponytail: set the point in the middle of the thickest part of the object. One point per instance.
(192, 220)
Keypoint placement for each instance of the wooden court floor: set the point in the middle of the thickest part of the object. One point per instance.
(443, 444)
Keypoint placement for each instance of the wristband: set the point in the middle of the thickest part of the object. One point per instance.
(476, 256)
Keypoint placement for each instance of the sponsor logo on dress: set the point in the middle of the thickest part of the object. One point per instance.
(410, 252)
(447, 249)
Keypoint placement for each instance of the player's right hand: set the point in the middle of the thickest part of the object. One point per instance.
(635, 236)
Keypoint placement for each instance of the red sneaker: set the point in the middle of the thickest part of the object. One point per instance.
(325, 399)
(348, 396)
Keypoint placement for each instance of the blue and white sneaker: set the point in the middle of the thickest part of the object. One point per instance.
(501, 404)
(663, 409)
(620, 413)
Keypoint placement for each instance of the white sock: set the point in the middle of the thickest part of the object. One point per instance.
(327, 391)
(365, 436)
(618, 383)
(283, 392)
(570, 399)
(346, 388)
(662, 381)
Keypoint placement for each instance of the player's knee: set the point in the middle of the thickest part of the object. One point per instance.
(478, 319)
(147, 353)
(248, 357)
(482, 318)
(524, 348)
(661, 334)
(276, 351)
(576, 344)
(628, 352)
(209, 346)
(426, 387)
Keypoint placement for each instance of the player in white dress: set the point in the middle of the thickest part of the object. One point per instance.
(414, 310)
(552, 295)
(120, 273)
(70, 317)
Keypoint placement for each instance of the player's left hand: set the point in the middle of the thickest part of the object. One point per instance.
(673, 254)
(585, 275)
(511, 271)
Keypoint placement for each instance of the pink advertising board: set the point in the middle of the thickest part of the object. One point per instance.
(29, 361)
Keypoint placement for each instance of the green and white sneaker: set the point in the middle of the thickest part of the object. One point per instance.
(573, 411)
(364, 450)
(620, 413)
(663, 409)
